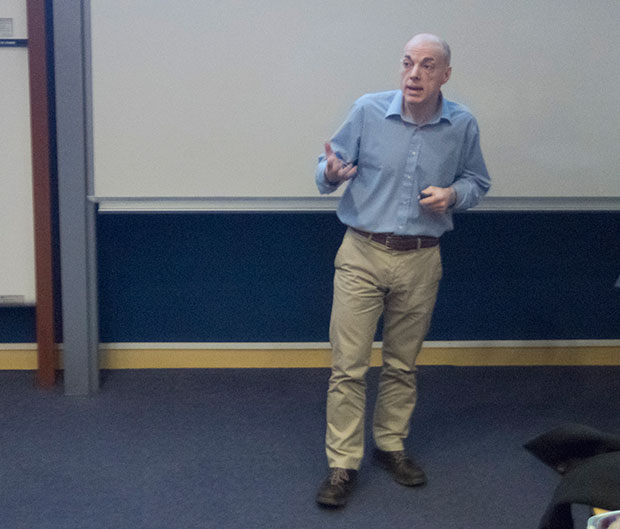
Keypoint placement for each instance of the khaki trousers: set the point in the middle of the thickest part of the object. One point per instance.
(370, 280)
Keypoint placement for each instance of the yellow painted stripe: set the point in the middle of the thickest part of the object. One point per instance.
(521, 356)
(265, 358)
(175, 358)
(18, 359)
(213, 358)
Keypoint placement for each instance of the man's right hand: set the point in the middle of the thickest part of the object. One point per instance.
(336, 170)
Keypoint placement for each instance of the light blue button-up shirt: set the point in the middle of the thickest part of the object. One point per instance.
(396, 159)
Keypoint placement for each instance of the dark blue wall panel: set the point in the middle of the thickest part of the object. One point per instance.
(216, 277)
(267, 277)
(530, 276)
(17, 325)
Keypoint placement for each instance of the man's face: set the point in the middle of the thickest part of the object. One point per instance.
(424, 69)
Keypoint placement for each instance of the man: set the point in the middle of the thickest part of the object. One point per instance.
(411, 158)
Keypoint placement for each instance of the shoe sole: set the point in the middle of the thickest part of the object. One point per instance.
(330, 502)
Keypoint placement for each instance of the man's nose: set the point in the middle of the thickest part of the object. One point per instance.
(414, 73)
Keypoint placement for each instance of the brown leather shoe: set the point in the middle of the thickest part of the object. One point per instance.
(336, 488)
(404, 470)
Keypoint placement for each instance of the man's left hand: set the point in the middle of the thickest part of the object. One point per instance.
(438, 199)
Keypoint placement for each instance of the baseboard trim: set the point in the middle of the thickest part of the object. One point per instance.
(313, 355)
(18, 357)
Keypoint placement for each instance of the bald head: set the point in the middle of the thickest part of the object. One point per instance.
(429, 38)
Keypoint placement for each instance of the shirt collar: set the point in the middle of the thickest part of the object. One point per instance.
(396, 106)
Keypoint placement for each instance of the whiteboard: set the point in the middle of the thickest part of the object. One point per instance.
(17, 276)
(234, 98)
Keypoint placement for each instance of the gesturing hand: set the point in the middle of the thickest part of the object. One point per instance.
(337, 170)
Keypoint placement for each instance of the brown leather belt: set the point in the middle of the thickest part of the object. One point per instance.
(402, 243)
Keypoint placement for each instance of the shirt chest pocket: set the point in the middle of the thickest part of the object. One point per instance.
(383, 147)
(438, 167)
